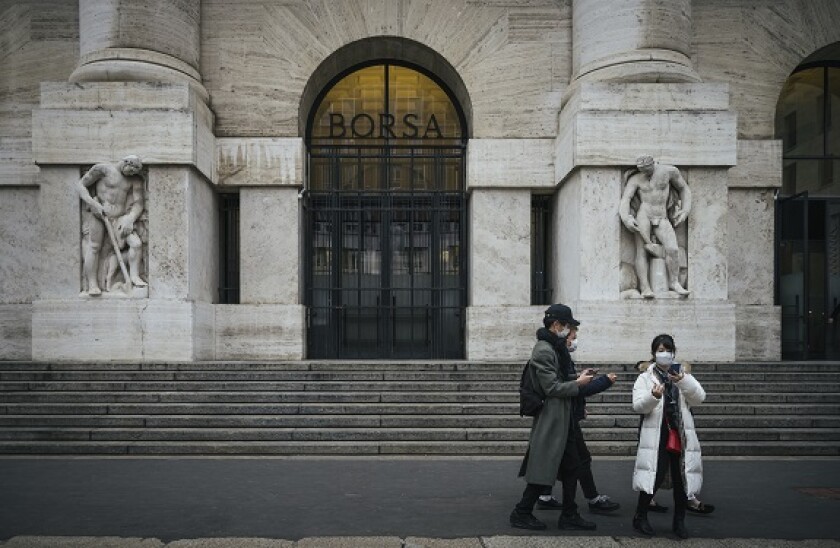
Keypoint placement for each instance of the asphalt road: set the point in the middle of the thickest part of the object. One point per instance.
(172, 499)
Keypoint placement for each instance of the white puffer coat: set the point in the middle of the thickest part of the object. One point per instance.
(691, 395)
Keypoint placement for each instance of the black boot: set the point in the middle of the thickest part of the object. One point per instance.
(525, 521)
(679, 527)
(640, 524)
(575, 521)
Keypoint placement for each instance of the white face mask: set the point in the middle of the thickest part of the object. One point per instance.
(664, 358)
(565, 333)
(572, 346)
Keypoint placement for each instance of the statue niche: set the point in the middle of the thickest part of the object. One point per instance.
(114, 229)
(655, 204)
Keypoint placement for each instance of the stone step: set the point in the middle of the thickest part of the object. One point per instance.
(592, 422)
(382, 386)
(380, 376)
(410, 366)
(612, 396)
(376, 408)
(513, 448)
(383, 434)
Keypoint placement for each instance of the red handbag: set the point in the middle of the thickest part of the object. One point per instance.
(674, 444)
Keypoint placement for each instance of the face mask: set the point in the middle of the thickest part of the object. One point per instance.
(572, 346)
(664, 358)
(565, 333)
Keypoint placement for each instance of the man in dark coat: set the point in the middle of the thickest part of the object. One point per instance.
(598, 503)
(552, 453)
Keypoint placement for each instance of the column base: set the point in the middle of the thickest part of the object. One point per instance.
(260, 332)
(610, 331)
(139, 330)
(16, 332)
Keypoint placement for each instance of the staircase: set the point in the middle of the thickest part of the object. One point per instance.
(381, 408)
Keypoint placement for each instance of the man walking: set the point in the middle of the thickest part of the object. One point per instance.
(552, 452)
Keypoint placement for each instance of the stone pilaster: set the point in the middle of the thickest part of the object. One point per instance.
(136, 91)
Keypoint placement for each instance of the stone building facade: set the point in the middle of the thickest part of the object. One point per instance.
(282, 214)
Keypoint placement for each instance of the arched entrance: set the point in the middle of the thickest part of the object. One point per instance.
(808, 209)
(385, 216)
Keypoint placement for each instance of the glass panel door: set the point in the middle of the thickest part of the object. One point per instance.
(792, 267)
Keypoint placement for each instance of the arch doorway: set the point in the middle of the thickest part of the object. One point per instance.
(385, 217)
(808, 209)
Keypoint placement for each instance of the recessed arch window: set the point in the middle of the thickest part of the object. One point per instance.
(392, 111)
(808, 123)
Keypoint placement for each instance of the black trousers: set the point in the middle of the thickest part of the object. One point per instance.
(666, 461)
(587, 482)
(570, 466)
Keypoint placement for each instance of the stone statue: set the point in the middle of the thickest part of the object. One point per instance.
(656, 190)
(113, 228)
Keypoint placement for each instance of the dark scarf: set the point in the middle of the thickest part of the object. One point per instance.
(567, 368)
(672, 399)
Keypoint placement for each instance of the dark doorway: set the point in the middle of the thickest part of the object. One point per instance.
(808, 253)
(385, 214)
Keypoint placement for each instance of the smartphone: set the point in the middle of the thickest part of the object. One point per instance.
(593, 372)
(675, 369)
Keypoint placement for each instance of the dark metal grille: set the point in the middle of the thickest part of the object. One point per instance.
(229, 252)
(386, 240)
(540, 229)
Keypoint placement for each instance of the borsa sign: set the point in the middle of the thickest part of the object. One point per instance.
(365, 126)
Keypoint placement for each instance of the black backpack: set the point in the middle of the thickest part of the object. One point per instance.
(530, 400)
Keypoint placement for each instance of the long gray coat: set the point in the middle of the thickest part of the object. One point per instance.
(551, 427)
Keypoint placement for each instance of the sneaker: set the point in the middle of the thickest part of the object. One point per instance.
(527, 521)
(603, 505)
(575, 522)
(550, 504)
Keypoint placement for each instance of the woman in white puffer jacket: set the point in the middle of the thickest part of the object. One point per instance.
(664, 396)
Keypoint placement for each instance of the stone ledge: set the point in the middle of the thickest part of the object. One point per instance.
(81, 124)
(260, 161)
(510, 163)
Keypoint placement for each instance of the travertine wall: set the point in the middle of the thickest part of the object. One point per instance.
(755, 45)
(516, 60)
(39, 41)
(514, 57)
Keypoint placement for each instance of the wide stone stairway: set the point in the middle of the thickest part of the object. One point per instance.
(382, 408)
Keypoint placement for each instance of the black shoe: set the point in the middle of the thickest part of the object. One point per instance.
(701, 508)
(527, 521)
(603, 505)
(679, 528)
(550, 504)
(658, 508)
(575, 522)
(640, 524)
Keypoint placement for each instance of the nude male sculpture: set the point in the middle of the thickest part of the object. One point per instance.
(118, 200)
(653, 188)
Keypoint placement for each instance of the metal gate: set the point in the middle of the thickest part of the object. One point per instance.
(386, 242)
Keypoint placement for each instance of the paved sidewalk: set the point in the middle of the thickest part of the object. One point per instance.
(397, 500)
(412, 542)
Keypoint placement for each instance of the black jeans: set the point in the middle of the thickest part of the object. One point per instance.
(570, 466)
(666, 461)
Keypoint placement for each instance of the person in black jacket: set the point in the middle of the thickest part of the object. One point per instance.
(598, 503)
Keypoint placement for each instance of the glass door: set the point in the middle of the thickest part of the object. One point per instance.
(792, 267)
